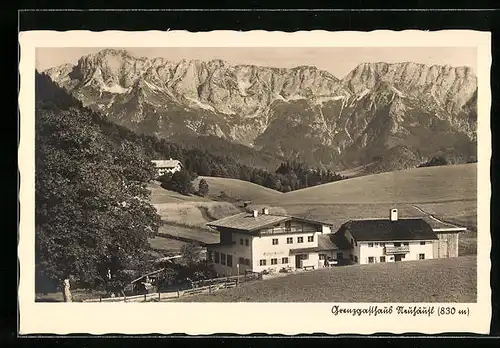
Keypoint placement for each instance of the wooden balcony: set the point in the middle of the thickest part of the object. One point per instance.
(403, 249)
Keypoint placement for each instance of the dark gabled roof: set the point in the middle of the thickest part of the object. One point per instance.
(247, 222)
(326, 242)
(386, 230)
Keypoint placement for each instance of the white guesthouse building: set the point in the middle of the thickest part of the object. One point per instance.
(261, 241)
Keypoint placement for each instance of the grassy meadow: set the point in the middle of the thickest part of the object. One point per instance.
(237, 190)
(420, 185)
(441, 280)
(447, 192)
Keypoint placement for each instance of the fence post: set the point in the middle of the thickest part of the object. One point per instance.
(145, 297)
(210, 287)
(100, 298)
(178, 294)
(159, 295)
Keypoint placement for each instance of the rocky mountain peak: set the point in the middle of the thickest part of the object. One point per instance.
(302, 112)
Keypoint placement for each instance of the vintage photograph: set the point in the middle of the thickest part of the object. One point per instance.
(287, 174)
(255, 174)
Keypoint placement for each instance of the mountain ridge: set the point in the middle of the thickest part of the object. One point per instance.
(300, 113)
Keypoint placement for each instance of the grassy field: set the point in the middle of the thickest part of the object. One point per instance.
(420, 185)
(443, 280)
(237, 190)
(447, 192)
(166, 244)
(189, 233)
(461, 212)
(160, 196)
(194, 214)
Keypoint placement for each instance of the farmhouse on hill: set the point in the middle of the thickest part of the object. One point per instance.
(261, 241)
(167, 166)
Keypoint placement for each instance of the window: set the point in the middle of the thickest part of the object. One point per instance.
(275, 241)
(322, 256)
(406, 243)
(422, 243)
(246, 242)
(376, 243)
(247, 262)
(382, 258)
(310, 238)
(241, 260)
(421, 256)
(210, 256)
(262, 262)
(370, 245)
(355, 259)
(397, 244)
(300, 239)
(222, 258)
(288, 226)
(382, 244)
(304, 257)
(289, 240)
(241, 241)
(284, 260)
(274, 261)
(371, 259)
(216, 257)
(229, 260)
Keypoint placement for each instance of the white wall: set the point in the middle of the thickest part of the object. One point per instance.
(236, 250)
(377, 250)
(326, 229)
(263, 249)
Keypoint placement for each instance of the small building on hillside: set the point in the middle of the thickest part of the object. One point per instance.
(167, 166)
(260, 241)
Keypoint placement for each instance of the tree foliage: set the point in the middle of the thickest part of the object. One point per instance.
(435, 161)
(93, 215)
(190, 253)
(181, 181)
(203, 188)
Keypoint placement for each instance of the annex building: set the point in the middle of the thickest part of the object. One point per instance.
(260, 241)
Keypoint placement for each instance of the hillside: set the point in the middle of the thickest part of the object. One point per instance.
(238, 190)
(451, 280)
(393, 116)
(419, 185)
(447, 192)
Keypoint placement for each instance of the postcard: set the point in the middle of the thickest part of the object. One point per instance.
(254, 182)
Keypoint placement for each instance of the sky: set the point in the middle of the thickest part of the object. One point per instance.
(339, 61)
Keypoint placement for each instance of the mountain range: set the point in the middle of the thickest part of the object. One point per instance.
(379, 117)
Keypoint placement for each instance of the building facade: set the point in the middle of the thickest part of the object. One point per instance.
(261, 241)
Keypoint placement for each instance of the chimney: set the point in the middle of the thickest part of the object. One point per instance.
(255, 213)
(394, 215)
(265, 211)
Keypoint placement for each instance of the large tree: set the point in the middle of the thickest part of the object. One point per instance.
(93, 215)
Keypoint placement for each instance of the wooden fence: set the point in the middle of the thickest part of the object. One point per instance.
(198, 287)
